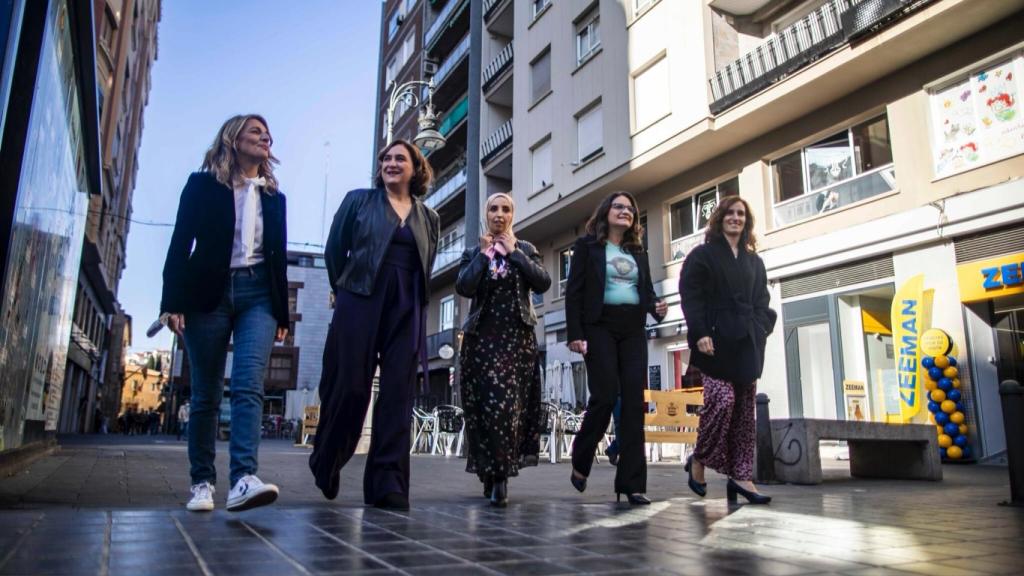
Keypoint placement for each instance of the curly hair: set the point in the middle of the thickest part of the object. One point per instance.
(747, 238)
(422, 173)
(632, 238)
(221, 159)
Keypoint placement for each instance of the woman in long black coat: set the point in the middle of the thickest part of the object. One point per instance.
(724, 293)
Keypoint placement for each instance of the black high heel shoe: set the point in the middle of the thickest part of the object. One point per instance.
(633, 499)
(732, 489)
(499, 495)
(579, 484)
(699, 488)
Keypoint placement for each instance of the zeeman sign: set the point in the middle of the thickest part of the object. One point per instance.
(991, 278)
(911, 316)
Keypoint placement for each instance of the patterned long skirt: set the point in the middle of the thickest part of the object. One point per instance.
(725, 439)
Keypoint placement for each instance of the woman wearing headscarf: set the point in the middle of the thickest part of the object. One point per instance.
(500, 380)
(724, 292)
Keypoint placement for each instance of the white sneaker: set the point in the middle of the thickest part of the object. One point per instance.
(250, 492)
(202, 497)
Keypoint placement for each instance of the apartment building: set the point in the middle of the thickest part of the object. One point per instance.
(876, 141)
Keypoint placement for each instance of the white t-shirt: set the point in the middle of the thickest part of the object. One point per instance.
(247, 248)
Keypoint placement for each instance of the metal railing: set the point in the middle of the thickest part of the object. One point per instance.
(500, 63)
(454, 116)
(489, 6)
(448, 254)
(441, 22)
(452, 61)
(681, 247)
(496, 142)
(446, 189)
(860, 187)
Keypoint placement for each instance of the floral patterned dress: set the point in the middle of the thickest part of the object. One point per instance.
(500, 380)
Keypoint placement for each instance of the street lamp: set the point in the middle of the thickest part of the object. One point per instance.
(428, 137)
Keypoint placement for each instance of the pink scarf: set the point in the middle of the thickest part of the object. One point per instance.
(494, 249)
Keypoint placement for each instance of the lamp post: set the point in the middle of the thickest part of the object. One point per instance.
(428, 137)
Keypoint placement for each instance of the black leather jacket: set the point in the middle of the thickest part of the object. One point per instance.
(360, 236)
(471, 274)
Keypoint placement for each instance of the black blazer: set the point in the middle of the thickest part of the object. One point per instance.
(726, 297)
(472, 271)
(584, 290)
(195, 277)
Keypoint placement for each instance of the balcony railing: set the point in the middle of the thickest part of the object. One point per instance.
(452, 61)
(681, 247)
(448, 254)
(780, 54)
(442, 22)
(446, 189)
(454, 116)
(860, 187)
(496, 142)
(438, 339)
(500, 63)
(489, 6)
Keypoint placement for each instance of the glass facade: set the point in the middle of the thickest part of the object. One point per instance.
(45, 245)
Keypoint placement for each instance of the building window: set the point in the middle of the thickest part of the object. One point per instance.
(689, 216)
(408, 47)
(539, 6)
(640, 5)
(293, 300)
(541, 165)
(540, 75)
(589, 128)
(588, 38)
(651, 101)
(395, 22)
(107, 28)
(972, 119)
(564, 261)
(447, 313)
(838, 170)
(280, 368)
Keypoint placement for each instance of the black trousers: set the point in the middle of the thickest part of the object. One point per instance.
(616, 367)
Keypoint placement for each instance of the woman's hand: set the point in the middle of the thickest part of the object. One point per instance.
(282, 333)
(485, 242)
(508, 241)
(661, 308)
(578, 346)
(176, 322)
(706, 346)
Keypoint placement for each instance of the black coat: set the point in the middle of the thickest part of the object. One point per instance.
(726, 297)
(474, 266)
(584, 290)
(195, 278)
(361, 234)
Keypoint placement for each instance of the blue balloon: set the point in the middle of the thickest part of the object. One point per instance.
(934, 407)
(945, 384)
(942, 453)
(967, 452)
(935, 373)
(960, 440)
(954, 395)
(952, 360)
(941, 418)
(959, 406)
(951, 430)
(928, 362)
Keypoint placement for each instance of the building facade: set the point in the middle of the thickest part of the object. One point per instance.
(876, 141)
(50, 170)
(312, 307)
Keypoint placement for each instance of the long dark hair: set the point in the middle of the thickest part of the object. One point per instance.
(422, 173)
(632, 238)
(747, 238)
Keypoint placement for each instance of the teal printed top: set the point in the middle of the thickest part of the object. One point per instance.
(621, 277)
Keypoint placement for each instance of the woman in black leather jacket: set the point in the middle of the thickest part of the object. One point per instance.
(379, 255)
(500, 381)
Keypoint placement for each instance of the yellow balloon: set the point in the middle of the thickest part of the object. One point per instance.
(951, 372)
(941, 361)
(948, 406)
(956, 417)
(954, 452)
(956, 383)
(963, 428)
(930, 384)
(945, 441)
(937, 395)
(938, 429)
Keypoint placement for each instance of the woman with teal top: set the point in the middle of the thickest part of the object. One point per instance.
(609, 294)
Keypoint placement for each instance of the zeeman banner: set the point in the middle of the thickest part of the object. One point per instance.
(911, 315)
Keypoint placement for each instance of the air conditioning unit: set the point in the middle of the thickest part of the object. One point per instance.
(429, 68)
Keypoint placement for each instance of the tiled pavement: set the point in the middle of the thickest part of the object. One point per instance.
(114, 507)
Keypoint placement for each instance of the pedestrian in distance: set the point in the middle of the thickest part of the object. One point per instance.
(499, 379)
(183, 414)
(609, 294)
(379, 253)
(724, 292)
(231, 287)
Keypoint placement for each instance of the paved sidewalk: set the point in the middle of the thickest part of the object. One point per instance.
(113, 505)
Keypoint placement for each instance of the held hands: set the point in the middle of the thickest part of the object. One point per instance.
(706, 346)
(485, 242)
(661, 308)
(507, 241)
(578, 346)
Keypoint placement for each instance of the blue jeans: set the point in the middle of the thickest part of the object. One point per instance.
(245, 310)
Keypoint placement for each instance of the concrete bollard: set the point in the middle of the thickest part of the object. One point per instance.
(1011, 394)
(765, 469)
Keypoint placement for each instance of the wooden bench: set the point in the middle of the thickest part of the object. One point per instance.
(674, 419)
(310, 421)
(877, 450)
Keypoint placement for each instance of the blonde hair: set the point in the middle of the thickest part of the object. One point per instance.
(492, 198)
(221, 159)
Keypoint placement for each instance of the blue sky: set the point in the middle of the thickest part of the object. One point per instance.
(309, 66)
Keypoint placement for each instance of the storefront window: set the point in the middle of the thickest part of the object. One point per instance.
(689, 216)
(870, 390)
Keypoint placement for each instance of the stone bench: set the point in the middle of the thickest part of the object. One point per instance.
(877, 450)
